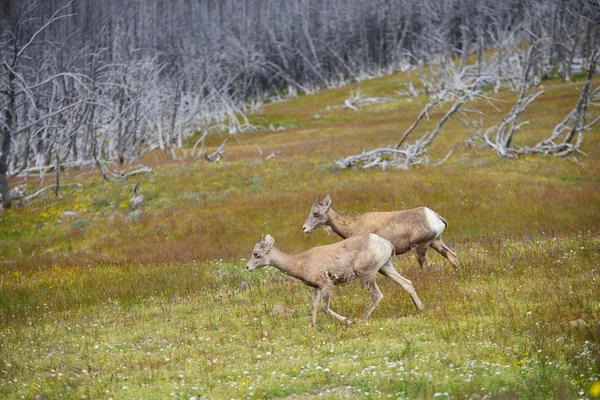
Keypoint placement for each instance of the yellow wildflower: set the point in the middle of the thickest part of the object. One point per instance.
(595, 389)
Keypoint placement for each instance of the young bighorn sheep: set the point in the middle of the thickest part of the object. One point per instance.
(360, 256)
(417, 229)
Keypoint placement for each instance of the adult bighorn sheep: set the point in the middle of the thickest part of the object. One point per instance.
(417, 229)
(322, 267)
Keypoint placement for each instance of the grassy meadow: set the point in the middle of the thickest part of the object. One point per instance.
(110, 304)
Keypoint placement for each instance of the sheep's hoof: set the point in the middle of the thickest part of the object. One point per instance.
(348, 322)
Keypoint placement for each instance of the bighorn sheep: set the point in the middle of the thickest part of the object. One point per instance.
(360, 256)
(417, 229)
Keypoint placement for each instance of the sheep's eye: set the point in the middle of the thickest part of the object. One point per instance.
(256, 255)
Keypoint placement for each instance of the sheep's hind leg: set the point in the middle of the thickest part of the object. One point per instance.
(445, 251)
(389, 271)
(326, 295)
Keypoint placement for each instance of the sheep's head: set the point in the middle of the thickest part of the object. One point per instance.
(318, 215)
(260, 253)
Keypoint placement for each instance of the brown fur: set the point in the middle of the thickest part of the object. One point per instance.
(359, 257)
(406, 230)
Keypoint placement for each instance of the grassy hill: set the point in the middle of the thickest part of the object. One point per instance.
(112, 305)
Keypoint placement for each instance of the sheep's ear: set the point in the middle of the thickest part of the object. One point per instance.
(317, 200)
(270, 242)
(327, 202)
(260, 239)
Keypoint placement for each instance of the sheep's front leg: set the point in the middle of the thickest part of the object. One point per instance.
(421, 251)
(315, 305)
(370, 284)
(326, 294)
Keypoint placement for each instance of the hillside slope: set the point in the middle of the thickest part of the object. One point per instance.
(113, 304)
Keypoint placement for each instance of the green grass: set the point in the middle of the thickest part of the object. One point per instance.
(161, 306)
(504, 330)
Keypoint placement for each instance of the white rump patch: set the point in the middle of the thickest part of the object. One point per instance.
(434, 222)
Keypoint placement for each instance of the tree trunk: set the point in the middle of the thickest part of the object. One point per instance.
(4, 188)
(57, 186)
(6, 140)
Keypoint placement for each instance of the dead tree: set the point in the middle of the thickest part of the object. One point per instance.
(19, 90)
(424, 113)
(449, 81)
(357, 100)
(506, 130)
(414, 153)
(218, 154)
(568, 134)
